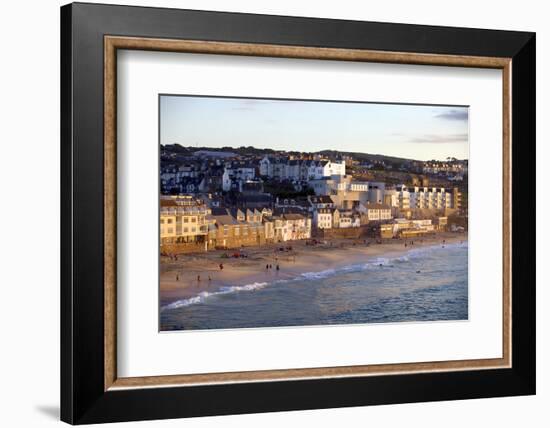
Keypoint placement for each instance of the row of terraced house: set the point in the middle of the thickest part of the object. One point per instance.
(188, 220)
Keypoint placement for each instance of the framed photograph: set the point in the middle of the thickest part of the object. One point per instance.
(266, 213)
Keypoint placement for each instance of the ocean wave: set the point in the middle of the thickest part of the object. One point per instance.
(204, 295)
(371, 264)
(417, 252)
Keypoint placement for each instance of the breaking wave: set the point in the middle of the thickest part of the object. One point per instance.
(201, 297)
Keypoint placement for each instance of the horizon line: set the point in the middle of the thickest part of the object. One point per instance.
(206, 148)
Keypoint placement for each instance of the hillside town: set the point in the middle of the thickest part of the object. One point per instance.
(233, 198)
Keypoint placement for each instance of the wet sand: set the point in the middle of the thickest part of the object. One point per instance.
(179, 278)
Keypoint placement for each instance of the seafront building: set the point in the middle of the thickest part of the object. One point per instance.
(406, 228)
(293, 227)
(322, 218)
(183, 220)
(188, 223)
(346, 219)
(375, 212)
(191, 224)
(424, 197)
(228, 202)
(229, 232)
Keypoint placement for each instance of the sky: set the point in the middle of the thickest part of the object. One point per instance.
(421, 132)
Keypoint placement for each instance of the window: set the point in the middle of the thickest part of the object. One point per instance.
(193, 229)
(161, 221)
(185, 220)
(185, 229)
(169, 221)
(170, 230)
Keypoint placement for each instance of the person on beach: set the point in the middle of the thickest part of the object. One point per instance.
(270, 267)
(266, 267)
(209, 280)
(198, 278)
(221, 266)
(177, 277)
(277, 268)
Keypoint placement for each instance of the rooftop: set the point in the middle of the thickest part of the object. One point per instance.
(225, 220)
(219, 211)
(323, 199)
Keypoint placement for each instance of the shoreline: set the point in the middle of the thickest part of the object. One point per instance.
(179, 279)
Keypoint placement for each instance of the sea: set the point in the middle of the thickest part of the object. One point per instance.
(423, 284)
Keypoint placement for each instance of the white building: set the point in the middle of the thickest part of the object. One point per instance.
(359, 186)
(376, 212)
(347, 220)
(333, 168)
(343, 190)
(288, 227)
(297, 226)
(423, 197)
(337, 183)
(235, 174)
(424, 224)
(282, 168)
(322, 218)
(266, 166)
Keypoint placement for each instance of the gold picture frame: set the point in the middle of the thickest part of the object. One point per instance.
(114, 43)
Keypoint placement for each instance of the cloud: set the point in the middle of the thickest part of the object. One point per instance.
(244, 108)
(454, 114)
(244, 104)
(440, 139)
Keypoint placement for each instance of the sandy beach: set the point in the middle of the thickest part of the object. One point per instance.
(190, 274)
